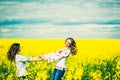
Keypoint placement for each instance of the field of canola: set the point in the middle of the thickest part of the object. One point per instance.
(97, 59)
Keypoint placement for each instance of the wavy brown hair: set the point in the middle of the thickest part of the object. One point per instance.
(14, 49)
(73, 47)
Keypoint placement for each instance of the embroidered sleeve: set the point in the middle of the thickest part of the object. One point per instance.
(51, 57)
(55, 56)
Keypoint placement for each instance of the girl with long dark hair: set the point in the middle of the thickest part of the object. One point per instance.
(13, 54)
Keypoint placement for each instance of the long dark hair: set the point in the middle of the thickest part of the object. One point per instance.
(73, 47)
(14, 49)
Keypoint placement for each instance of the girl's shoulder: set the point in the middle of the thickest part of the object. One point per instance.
(68, 51)
(18, 55)
(65, 49)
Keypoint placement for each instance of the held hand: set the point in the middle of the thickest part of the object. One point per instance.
(38, 58)
(41, 57)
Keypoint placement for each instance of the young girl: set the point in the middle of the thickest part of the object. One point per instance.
(61, 56)
(13, 55)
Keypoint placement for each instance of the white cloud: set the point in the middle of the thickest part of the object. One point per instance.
(59, 12)
(54, 13)
(5, 30)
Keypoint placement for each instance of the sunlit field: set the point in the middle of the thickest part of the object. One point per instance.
(97, 59)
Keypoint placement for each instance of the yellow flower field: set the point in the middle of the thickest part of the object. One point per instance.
(97, 59)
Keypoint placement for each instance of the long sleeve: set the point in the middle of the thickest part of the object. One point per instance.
(56, 55)
(51, 57)
(22, 58)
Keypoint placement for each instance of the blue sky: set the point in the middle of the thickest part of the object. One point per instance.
(60, 18)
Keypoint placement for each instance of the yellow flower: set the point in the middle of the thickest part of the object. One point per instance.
(118, 65)
(10, 77)
(78, 73)
(96, 75)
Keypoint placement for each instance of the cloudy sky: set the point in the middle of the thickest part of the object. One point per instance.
(60, 18)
